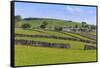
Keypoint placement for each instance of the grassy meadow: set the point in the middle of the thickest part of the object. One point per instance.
(31, 55)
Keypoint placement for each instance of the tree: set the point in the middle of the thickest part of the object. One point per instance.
(43, 25)
(58, 28)
(86, 26)
(93, 27)
(76, 26)
(83, 24)
(69, 21)
(26, 26)
(18, 18)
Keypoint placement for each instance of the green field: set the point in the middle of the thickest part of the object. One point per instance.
(51, 22)
(48, 32)
(94, 33)
(30, 55)
(28, 32)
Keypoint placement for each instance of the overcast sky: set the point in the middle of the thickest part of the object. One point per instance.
(65, 12)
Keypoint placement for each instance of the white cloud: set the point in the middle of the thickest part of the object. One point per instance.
(69, 8)
(74, 9)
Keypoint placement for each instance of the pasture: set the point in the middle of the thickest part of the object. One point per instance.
(31, 55)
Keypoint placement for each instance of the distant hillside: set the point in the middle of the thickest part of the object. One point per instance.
(36, 22)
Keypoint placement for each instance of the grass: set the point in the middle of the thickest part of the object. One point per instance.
(94, 33)
(39, 32)
(76, 35)
(29, 55)
(54, 33)
(48, 32)
(28, 32)
(51, 22)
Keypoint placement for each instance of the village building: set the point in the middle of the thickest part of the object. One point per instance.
(77, 29)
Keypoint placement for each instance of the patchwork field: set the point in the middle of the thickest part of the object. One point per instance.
(32, 55)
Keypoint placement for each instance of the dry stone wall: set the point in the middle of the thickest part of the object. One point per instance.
(42, 44)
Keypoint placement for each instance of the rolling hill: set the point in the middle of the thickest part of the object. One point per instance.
(30, 48)
(51, 22)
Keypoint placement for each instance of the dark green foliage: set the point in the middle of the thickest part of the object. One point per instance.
(83, 24)
(26, 26)
(69, 21)
(18, 18)
(93, 27)
(44, 25)
(86, 26)
(31, 18)
(58, 28)
(76, 26)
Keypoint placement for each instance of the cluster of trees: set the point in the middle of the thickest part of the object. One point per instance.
(58, 28)
(18, 18)
(84, 26)
(26, 26)
(43, 25)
